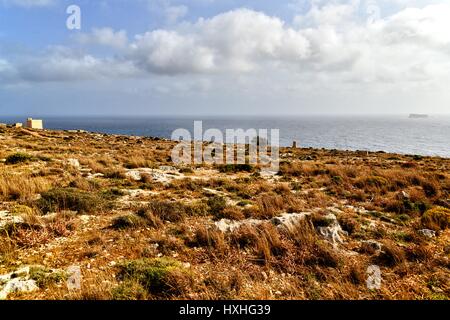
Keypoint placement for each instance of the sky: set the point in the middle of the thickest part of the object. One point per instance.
(224, 57)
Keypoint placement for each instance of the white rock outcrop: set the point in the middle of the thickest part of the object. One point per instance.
(17, 286)
(226, 225)
(74, 163)
(427, 233)
(333, 232)
(158, 175)
(286, 222)
(16, 282)
(7, 218)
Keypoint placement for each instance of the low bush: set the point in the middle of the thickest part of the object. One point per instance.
(231, 213)
(234, 168)
(197, 209)
(45, 277)
(167, 210)
(173, 211)
(217, 205)
(244, 236)
(72, 200)
(323, 255)
(371, 182)
(19, 158)
(209, 238)
(391, 255)
(21, 187)
(151, 220)
(129, 290)
(161, 277)
(128, 221)
(437, 218)
(115, 174)
(269, 244)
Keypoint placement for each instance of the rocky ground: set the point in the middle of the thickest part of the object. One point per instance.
(93, 216)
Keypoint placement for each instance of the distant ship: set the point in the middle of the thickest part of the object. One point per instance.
(418, 116)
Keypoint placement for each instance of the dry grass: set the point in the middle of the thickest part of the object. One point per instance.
(437, 218)
(164, 245)
(21, 187)
(391, 255)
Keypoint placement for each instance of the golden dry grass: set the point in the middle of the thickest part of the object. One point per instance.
(379, 197)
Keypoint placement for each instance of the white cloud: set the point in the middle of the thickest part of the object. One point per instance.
(328, 14)
(105, 37)
(61, 64)
(171, 13)
(175, 13)
(409, 46)
(327, 46)
(236, 41)
(168, 52)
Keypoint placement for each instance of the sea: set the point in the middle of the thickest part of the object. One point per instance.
(393, 133)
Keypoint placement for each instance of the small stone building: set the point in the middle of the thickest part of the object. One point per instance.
(35, 124)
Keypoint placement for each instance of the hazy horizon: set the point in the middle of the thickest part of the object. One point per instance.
(206, 116)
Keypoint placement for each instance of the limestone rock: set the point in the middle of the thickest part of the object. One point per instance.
(226, 225)
(288, 221)
(158, 175)
(333, 232)
(6, 218)
(18, 285)
(168, 168)
(74, 163)
(16, 282)
(427, 233)
(285, 221)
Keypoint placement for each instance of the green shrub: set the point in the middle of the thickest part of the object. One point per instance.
(372, 181)
(319, 220)
(128, 221)
(186, 170)
(112, 194)
(234, 168)
(71, 199)
(160, 277)
(197, 209)
(216, 205)
(151, 220)
(129, 290)
(163, 210)
(337, 179)
(21, 210)
(231, 213)
(244, 203)
(437, 218)
(45, 277)
(167, 210)
(19, 158)
(115, 174)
